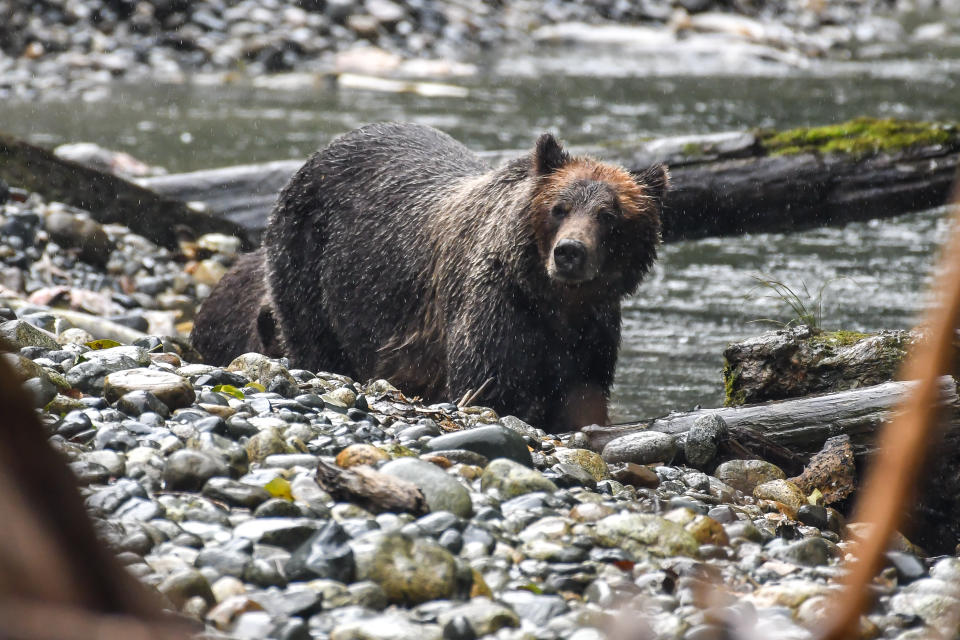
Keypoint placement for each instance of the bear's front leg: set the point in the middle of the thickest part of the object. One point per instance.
(491, 343)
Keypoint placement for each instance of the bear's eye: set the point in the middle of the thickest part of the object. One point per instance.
(607, 214)
(558, 211)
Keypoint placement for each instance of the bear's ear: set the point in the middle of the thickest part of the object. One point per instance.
(654, 180)
(548, 156)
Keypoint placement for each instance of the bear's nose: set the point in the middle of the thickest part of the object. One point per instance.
(570, 256)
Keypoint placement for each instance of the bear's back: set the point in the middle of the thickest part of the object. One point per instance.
(349, 240)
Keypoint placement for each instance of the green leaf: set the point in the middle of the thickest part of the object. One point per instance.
(256, 385)
(96, 345)
(279, 488)
(229, 390)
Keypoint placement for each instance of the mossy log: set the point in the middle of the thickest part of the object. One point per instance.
(723, 184)
(108, 198)
(800, 361)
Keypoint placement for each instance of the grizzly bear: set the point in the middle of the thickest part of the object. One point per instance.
(237, 316)
(397, 253)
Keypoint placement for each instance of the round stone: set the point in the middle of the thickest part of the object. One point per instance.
(745, 475)
(172, 390)
(441, 490)
(643, 447)
(189, 470)
(588, 460)
(409, 571)
(703, 438)
(510, 479)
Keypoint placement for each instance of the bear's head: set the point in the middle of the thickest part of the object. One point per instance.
(597, 226)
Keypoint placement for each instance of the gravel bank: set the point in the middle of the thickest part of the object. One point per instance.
(204, 481)
(77, 44)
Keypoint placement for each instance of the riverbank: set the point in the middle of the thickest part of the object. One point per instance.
(204, 480)
(75, 46)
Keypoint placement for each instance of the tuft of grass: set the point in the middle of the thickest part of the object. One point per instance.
(805, 306)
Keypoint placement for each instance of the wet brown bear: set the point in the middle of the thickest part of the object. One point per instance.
(237, 317)
(397, 253)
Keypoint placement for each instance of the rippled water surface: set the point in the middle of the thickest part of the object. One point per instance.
(698, 299)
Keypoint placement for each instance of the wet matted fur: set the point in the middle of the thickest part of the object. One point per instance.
(397, 253)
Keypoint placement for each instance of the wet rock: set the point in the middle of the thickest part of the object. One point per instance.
(73, 231)
(510, 479)
(409, 571)
(235, 493)
(266, 443)
(642, 533)
(934, 601)
(226, 562)
(180, 586)
(782, 491)
(494, 441)
(142, 401)
(907, 565)
(637, 475)
(172, 390)
(361, 454)
(590, 461)
(288, 533)
(265, 371)
(441, 491)
(17, 334)
(703, 438)
(745, 475)
(812, 552)
(537, 609)
(813, 516)
(643, 447)
(189, 470)
(387, 627)
(326, 554)
(485, 617)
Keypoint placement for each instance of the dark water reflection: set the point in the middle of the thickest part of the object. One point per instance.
(678, 325)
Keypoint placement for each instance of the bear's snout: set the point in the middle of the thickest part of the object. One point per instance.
(570, 258)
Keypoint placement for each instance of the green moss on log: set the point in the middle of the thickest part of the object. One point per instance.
(838, 338)
(732, 395)
(861, 136)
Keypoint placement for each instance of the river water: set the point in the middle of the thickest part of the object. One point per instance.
(703, 294)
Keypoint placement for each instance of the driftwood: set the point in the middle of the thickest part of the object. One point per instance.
(723, 184)
(377, 492)
(800, 425)
(108, 198)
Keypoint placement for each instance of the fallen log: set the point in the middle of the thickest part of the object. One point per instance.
(108, 198)
(801, 425)
(723, 184)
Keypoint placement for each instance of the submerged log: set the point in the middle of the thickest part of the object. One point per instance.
(108, 198)
(723, 184)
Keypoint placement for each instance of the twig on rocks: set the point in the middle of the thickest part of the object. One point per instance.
(470, 397)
